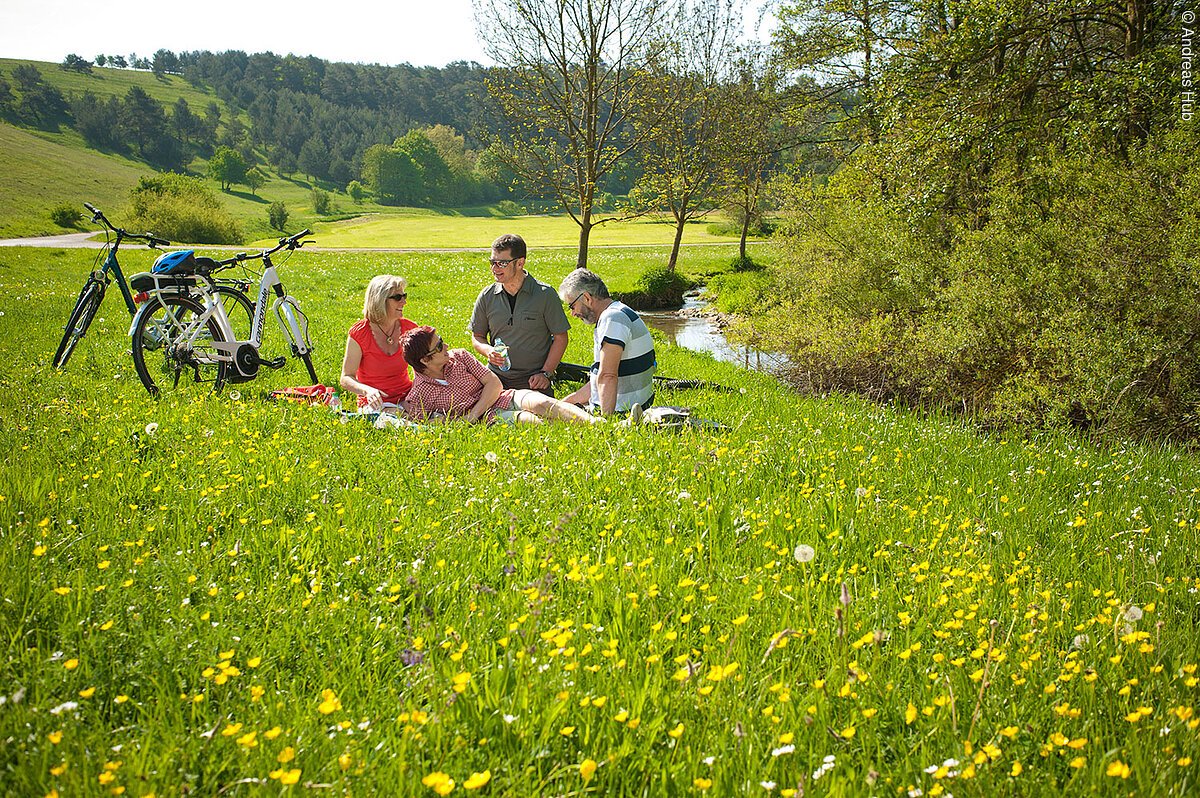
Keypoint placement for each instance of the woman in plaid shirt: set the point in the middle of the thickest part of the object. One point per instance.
(453, 384)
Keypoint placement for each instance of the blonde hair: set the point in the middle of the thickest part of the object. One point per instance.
(378, 290)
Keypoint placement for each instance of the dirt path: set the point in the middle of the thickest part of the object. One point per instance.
(66, 241)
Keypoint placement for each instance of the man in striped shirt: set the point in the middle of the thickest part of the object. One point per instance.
(622, 373)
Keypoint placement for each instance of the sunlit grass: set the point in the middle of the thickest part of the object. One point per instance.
(832, 598)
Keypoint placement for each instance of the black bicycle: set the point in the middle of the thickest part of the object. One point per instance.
(107, 269)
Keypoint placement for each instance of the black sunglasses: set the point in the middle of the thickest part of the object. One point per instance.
(441, 344)
(398, 297)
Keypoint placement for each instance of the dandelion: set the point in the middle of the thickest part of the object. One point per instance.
(1117, 768)
(329, 702)
(152, 428)
(492, 458)
(1133, 613)
(804, 553)
(477, 780)
(439, 782)
(587, 769)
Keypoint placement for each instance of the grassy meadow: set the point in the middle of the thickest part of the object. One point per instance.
(221, 595)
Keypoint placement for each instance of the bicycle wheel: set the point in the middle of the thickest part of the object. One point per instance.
(239, 309)
(169, 354)
(81, 318)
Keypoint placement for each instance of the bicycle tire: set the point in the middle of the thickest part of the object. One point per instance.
(232, 298)
(80, 319)
(166, 362)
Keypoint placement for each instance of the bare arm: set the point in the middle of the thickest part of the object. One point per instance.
(606, 380)
(350, 364)
(557, 347)
(480, 345)
(487, 397)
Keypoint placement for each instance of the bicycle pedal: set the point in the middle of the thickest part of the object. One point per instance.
(276, 362)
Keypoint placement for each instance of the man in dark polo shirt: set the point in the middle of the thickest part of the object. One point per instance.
(524, 313)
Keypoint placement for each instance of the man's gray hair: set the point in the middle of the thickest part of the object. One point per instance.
(580, 281)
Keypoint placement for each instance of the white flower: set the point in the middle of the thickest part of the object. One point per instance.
(767, 785)
(509, 718)
(1133, 614)
(708, 760)
(152, 428)
(491, 457)
(804, 553)
(860, 492)
(66, 706)
(783, 749)
(684, 495)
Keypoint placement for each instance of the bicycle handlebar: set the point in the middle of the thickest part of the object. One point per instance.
(152, 241)
(287, 242)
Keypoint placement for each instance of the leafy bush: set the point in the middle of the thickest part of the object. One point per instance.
(277, 215)
(65, 214)
(322, 201)
(509, 208)
(1073, 304)
(658, 287)
(183, 209)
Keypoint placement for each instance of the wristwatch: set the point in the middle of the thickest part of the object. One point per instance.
(547, 374)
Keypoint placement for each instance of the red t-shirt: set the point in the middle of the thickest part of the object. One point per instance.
(388, 373)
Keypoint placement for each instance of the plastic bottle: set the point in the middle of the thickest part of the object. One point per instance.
(502, 348)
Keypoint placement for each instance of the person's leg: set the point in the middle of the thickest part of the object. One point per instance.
(546, 407)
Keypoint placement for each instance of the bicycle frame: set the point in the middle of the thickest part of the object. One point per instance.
(112, 265)
(227, 350)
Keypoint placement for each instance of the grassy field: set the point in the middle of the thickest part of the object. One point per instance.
(220, 595)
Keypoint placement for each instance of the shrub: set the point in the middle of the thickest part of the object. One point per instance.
(509, 208)
(65, 215)
(658, 287)
(183, 209)
(322, 201)
(356, 191)
(277, 215)
(1072, 304)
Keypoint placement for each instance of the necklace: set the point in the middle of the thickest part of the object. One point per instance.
(392, 335)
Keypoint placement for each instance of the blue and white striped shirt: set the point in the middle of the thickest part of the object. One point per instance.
(620, 325)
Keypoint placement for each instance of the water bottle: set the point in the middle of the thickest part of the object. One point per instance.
(502, 348)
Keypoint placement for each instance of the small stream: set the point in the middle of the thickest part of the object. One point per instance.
(700, 333)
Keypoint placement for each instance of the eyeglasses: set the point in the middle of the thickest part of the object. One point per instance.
(571, 304)
(399, 297)
(503, 263)
(441, 344)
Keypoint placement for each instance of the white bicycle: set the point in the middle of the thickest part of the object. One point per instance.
(185, 339)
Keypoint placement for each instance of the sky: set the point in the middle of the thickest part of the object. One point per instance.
(419, 32)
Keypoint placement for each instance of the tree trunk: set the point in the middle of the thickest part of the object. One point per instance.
(745, 233)
(585, 232)
(679, 222)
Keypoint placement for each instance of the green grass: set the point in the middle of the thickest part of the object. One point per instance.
(219, 594)
(37, 173)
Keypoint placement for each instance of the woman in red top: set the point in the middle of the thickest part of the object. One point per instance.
(451, 383)
(374, 367)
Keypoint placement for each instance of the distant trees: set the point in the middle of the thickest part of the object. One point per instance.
(414, 171)
(40, 103)
(73, 63)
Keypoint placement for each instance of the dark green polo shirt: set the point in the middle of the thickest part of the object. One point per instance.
(527, 326)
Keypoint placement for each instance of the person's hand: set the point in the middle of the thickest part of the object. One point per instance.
(496, 357)
(539, 381)
(374, 398)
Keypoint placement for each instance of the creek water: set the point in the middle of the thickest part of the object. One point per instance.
(700, 333)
